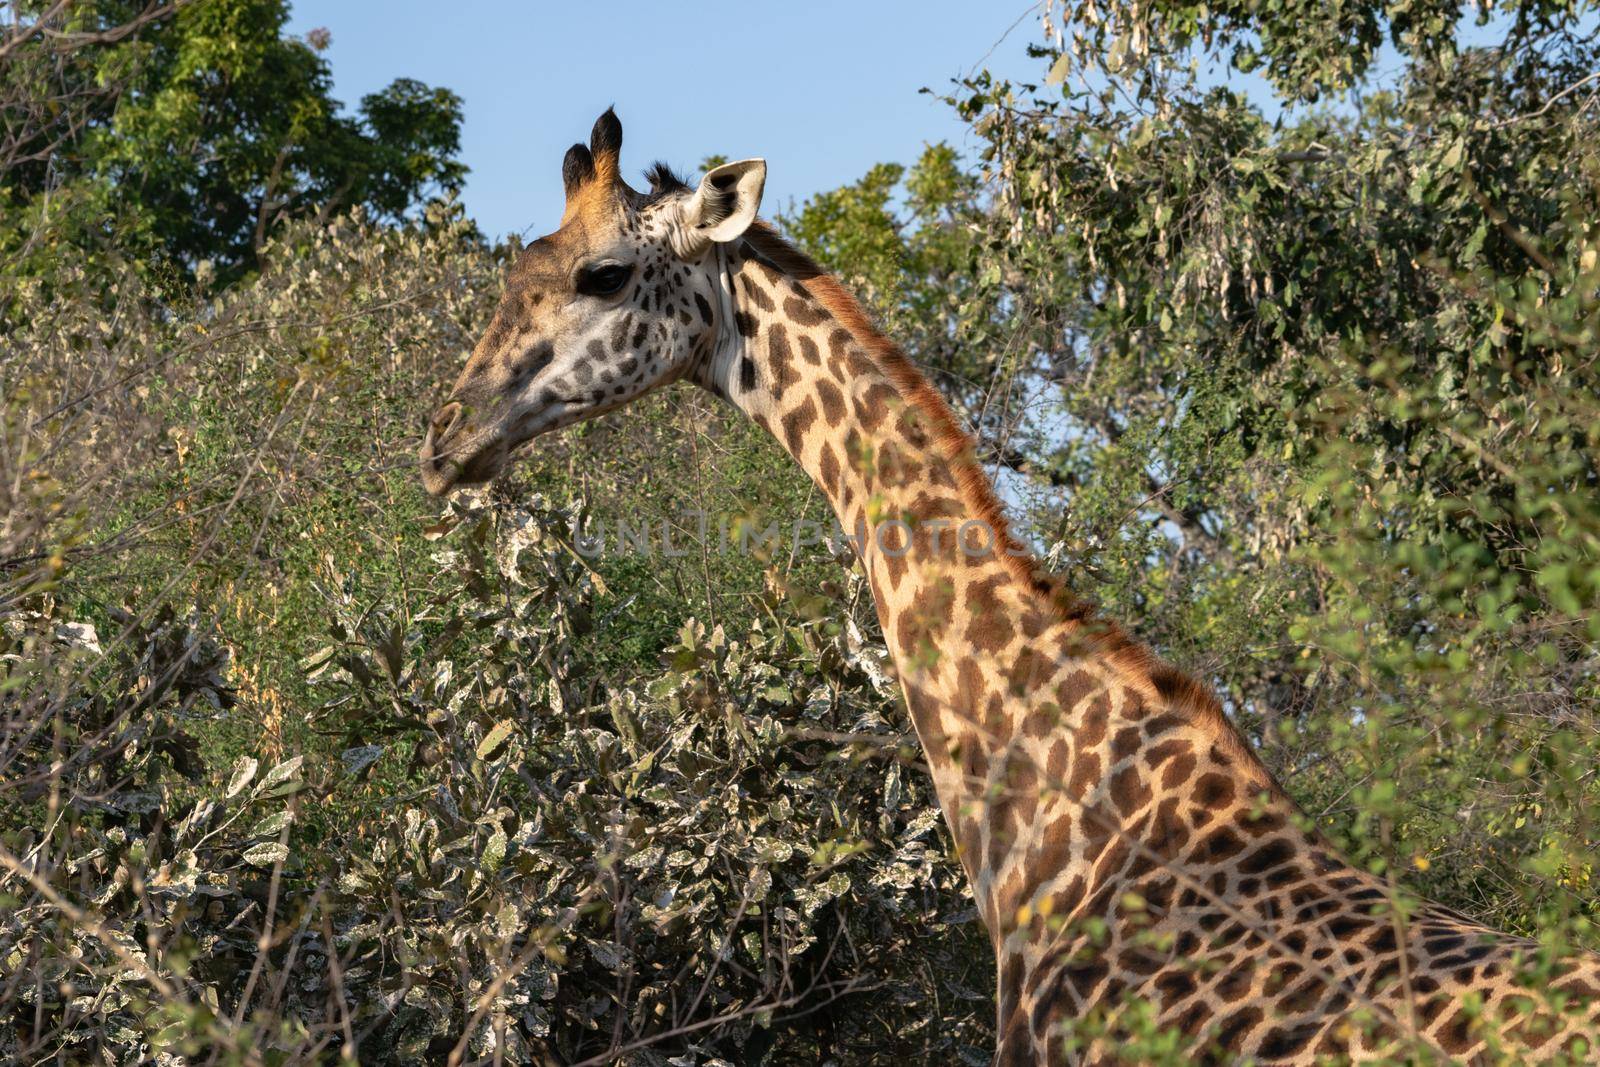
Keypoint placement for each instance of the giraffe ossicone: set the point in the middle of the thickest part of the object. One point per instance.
(1081, 778)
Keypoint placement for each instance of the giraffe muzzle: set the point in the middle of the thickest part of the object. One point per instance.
(455, 452)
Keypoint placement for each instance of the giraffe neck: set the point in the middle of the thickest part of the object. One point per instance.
(1000, 675)
(867, 438)
(1083, 781)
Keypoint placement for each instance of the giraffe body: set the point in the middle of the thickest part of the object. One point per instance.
(1121, 839)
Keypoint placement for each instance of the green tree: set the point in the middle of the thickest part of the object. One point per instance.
(218, 128)
(1322, 400)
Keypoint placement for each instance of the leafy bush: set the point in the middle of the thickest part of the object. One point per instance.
(696, 856)
(489, 836)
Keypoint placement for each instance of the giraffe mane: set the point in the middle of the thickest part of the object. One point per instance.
(664, 180)
(1138, 663)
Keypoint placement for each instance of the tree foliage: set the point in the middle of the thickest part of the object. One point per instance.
(1324, 405)
(194, 139)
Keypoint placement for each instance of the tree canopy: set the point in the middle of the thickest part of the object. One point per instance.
(1301, 382)
(194, 139)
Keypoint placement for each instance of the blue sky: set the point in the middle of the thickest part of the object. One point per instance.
(821, 89)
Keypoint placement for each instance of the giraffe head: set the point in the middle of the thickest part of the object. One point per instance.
(623, 298)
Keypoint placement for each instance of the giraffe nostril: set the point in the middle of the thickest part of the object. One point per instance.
(445, 420)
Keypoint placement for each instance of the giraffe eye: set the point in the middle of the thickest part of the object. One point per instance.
(606, 279)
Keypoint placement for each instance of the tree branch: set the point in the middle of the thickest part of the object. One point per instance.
(1188, 523)
(63, 41)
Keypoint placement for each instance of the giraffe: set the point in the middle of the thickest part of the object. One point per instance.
(1122, 841)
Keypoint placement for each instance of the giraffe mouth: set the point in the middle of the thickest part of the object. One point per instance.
(456, 453)
(449, 462)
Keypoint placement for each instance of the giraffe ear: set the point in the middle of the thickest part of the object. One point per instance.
(722, 208)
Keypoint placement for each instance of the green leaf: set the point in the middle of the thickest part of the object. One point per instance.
(495, 738)
(494, 852)
(266, 854)
(361, 757)
(243, 772)
(282, 779)
(272, 825)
